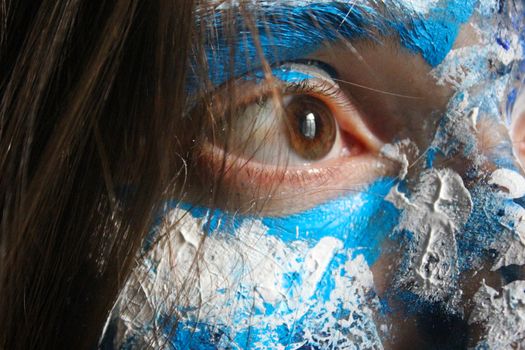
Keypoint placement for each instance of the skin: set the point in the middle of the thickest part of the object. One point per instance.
(391, 93)
(392, 116)
(396, 100)
(518, 130)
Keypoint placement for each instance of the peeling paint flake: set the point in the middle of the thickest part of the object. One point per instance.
(502, 315)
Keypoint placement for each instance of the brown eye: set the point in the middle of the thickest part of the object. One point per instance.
(312, 128)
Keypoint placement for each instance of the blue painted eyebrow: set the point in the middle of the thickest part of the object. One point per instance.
(286, 32)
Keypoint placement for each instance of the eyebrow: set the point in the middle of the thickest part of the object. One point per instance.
(284, 32)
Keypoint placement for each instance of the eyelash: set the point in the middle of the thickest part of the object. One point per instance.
(305, 87)
(242, 174)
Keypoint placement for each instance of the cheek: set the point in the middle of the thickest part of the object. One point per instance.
(274, 280)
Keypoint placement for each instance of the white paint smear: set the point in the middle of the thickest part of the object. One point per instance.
(437, 210)
(398, 152)
(510, 181)
(512, 249)
(230, 280)
(502, 315)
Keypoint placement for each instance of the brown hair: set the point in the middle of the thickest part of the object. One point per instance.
(91, 95)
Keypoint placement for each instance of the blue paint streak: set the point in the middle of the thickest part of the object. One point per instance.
(361, 220)
(504, 43)
(283, 73)
(288, 32)
(434, 35)
(285, 33)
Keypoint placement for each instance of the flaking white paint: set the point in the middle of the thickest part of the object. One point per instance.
(438, 208)
(208, 276)
(502, 315)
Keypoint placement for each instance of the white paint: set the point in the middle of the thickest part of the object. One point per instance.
(437, 210)
(398, 153)
(502, 316)
(474, 113)
(209, 275)
(421, 7)
(459, 68)
(512, 249)
(316, 262)
(512, 183)
(464, 67)
(488, 7)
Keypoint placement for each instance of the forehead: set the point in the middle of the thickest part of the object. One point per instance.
(278, 31)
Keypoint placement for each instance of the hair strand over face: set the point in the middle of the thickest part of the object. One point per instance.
(89, 98)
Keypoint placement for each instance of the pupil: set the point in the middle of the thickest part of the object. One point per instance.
(311, 127)
(308, 127)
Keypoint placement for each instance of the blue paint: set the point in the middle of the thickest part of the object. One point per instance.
(283, 73)
(192, 335)
(433, 35)
(431, 157)
(288, 32)
(361, 220)
(487, 226)
(292, 279)
(285, 33)
(491, 222)
(504, 43)
(201, 336)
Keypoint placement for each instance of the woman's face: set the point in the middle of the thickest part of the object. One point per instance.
(365, 188)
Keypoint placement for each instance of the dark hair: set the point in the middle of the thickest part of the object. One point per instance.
(91, 95)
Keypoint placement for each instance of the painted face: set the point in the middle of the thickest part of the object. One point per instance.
(365, 190)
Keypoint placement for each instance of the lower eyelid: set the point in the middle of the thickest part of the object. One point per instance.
(284, 190)
(280, 188)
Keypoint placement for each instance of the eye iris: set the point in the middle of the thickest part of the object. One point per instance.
(312, 127)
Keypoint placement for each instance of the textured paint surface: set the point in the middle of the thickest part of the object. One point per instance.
(434, 34)
(305, 280)
(293, 29)
(301, 280)
(483, 222)
(286, 33)
(504, 315)
(431, 221)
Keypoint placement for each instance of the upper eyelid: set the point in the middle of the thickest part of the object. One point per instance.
(330, 70)
(324, 83)
(254, 85)
(332, 91)
(292, 65)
